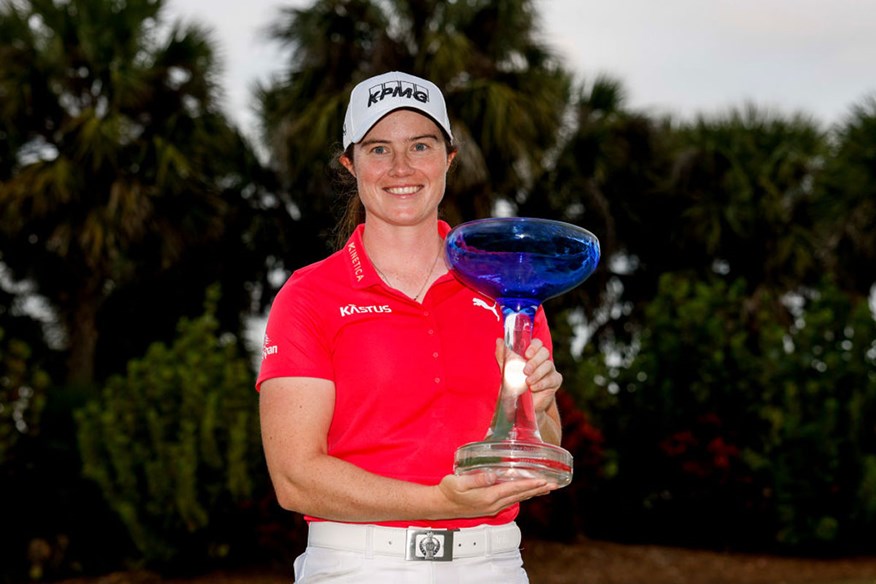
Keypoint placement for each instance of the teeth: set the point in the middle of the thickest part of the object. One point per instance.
(403, 190)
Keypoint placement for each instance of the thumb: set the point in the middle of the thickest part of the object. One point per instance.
(477, 480)
(500, 351)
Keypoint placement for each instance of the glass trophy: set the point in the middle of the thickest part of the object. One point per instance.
(518, 262)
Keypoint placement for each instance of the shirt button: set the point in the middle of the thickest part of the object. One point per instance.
(431, 332)
(426, 313)
(435, 355)
(437, 380)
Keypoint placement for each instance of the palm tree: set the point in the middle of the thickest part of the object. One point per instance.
(506, 95)
(847, 203)
(118, 153)
(748, 180)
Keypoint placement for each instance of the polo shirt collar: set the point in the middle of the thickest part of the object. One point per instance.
(360, 268)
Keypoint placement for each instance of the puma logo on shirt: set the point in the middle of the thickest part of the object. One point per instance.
(482, 304)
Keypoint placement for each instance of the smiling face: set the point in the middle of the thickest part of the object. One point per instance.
(400, 168)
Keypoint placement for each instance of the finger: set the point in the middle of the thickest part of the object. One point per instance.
(525, 489)
(539, 374)
(547, 490)
(477, 480)
(550, 380)
(539, 357)
(534, 346)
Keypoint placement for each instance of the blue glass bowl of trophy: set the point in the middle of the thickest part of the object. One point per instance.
(519, 262)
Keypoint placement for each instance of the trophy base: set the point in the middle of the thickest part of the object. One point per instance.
(512, 460)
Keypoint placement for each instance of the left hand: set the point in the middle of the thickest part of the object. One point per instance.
(542, 376)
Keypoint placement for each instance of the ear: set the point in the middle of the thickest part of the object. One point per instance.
(347, 163)
(450, 157)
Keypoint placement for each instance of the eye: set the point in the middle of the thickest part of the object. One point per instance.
(379, 150)
(421, 147)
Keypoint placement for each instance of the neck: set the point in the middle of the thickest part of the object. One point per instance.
(407, 260)
(395, 248)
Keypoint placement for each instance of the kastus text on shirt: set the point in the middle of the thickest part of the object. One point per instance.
(353, 309)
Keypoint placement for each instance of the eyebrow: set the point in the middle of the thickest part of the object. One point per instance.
(411, 139)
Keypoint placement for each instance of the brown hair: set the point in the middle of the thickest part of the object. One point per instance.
(352, 212)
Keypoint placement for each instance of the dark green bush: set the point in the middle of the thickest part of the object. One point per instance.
(22, 395)
(23, 387)
(174, 446)
(740, 421)
(819, 406)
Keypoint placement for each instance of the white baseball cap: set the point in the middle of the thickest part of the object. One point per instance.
(375, 97)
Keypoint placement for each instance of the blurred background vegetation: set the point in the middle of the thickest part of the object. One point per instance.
(720, 365)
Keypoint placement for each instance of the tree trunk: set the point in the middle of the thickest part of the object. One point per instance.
(82, 337)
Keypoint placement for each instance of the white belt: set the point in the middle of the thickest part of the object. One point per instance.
(415, 543)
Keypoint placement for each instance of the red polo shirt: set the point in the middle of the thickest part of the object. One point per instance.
(413, 382)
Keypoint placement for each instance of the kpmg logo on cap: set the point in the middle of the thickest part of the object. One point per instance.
(397, 89)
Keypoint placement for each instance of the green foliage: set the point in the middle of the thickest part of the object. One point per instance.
(745, 188)
(119, 162)
(672, 405)
(847, 201)
(22, 395)
(174, 444)
(818, 405)
(735, 420)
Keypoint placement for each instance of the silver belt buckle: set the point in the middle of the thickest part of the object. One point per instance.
(429, 545)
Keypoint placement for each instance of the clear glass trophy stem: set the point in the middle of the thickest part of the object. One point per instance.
(515, 417)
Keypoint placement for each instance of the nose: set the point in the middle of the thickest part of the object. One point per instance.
(401, 165)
